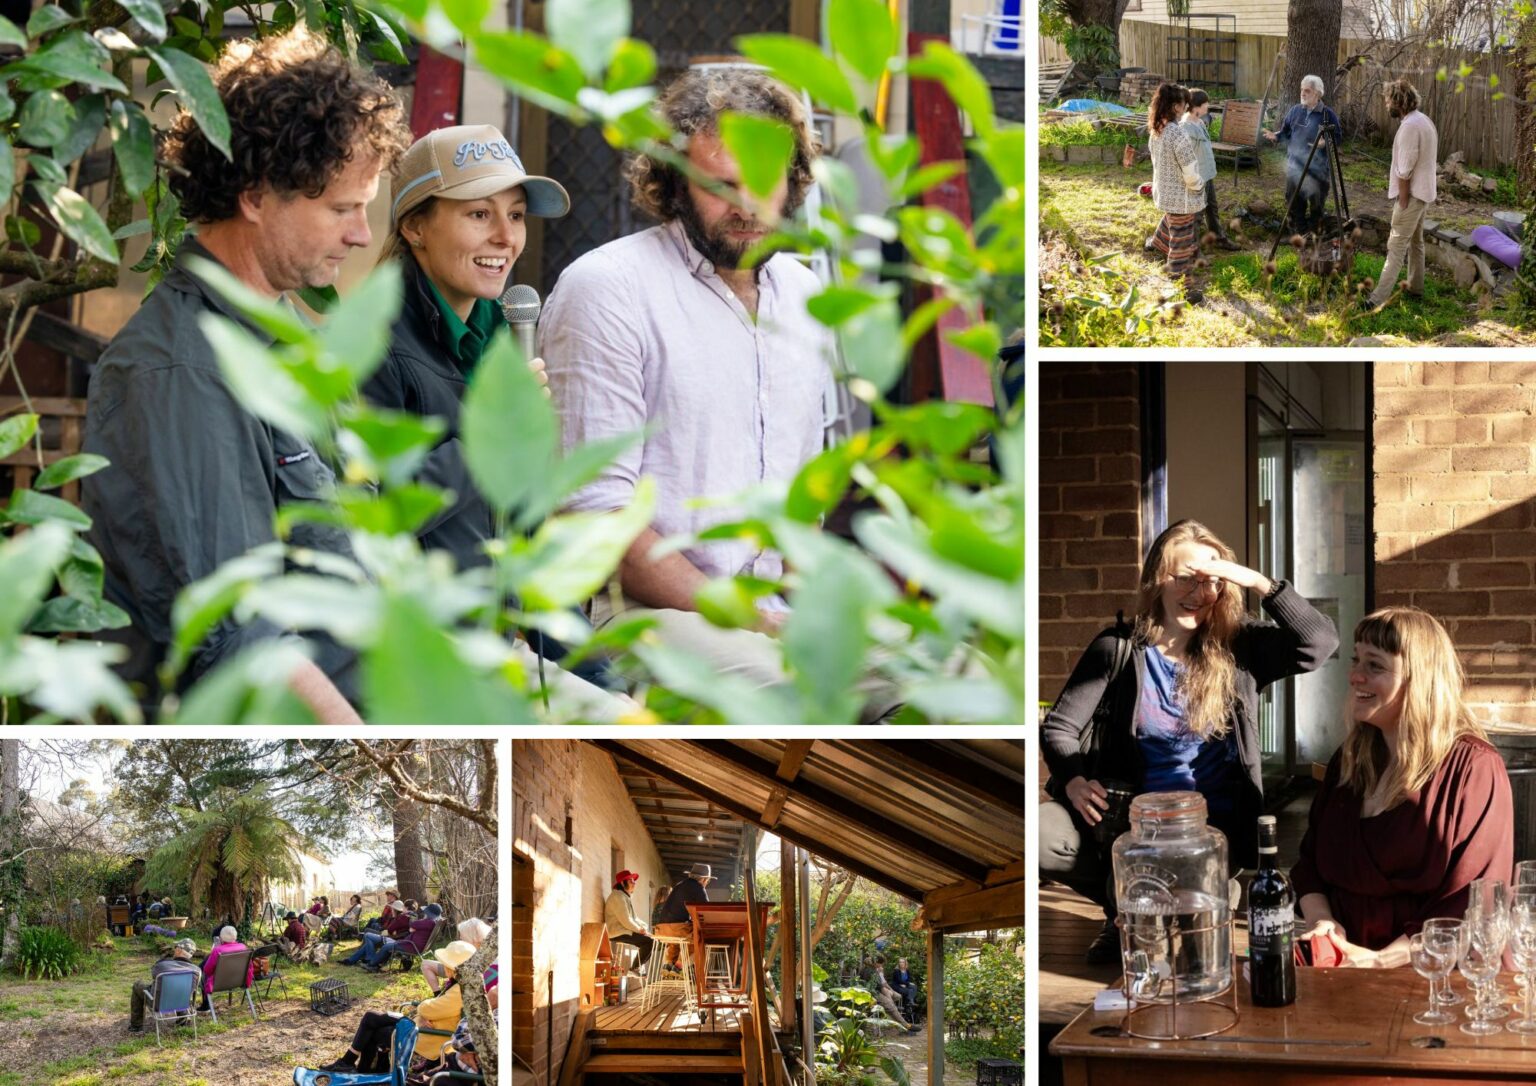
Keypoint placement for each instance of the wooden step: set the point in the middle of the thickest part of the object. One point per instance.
(677, 1063)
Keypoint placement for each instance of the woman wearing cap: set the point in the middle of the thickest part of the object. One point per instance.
(369, 1051)
(458, 224)
(623, 925)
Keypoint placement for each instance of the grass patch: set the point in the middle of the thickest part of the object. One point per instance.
(1100, 288)
(1087, 134)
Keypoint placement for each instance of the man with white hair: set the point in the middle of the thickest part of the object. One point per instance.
(1299, 131)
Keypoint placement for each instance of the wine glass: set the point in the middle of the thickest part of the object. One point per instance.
(1433, 955)
(1525, 874)
(1492, 896)
(1481, 954)
(1448, 928)
(1522, 947)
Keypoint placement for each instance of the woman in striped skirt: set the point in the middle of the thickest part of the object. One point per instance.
(1177, 190)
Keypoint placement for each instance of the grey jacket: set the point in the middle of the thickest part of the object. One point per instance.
(195, 480)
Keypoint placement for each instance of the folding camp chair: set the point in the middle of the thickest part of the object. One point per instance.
(170, 999)
(274, 955)
(399, 1063)
(407, 958)
(231, 974)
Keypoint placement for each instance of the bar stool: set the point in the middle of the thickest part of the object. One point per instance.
(658, 980)
(718, 971)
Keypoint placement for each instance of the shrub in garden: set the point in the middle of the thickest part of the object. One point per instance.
(949, 633)
(44, 953)
(984, 995)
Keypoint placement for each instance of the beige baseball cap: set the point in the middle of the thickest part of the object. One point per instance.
(469, 162)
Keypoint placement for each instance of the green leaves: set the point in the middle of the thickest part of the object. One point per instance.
(11, 34)
(27, 563)
(15, 432)
(356, 333)
(761, 147)
(68, 470)
(76, 57)
(90, 115)
(862, 34)
(133, 145)
(872, 346)
(80, 222)
(800, 64)
(260, 381)
(572, 556)
(546, 75)
(962, 82)
(415, 675)
(45, 118)
(148, 14)
(196, 91)
(588, 29)
(509, 428)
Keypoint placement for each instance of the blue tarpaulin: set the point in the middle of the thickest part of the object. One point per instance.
(1092, 105)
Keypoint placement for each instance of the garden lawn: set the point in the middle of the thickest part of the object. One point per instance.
(1100, 288)
(74, 1032)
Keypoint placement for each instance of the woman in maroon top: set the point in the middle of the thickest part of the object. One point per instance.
(1415, 805)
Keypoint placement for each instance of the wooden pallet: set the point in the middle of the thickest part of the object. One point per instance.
(1053, 77)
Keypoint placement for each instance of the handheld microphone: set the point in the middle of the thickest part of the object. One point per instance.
(521, 305)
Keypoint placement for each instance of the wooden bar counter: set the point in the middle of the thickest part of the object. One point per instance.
(1346, 1026)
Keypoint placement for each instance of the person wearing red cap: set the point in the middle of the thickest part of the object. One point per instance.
(620, 914)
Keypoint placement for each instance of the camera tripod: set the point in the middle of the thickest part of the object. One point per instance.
(1335, 180)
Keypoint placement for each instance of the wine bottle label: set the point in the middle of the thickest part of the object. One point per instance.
(1270, 930)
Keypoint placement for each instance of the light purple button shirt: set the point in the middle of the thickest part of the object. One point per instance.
(642, 332)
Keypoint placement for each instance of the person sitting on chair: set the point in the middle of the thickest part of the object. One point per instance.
(673, 919)
(903, 985)
(886, 996)
(294, 936)
(1299, 131)
(180, 961)
(414, 942)
(473, 931)
(369, 1050)
(351, 919)
(395, 927)
(391, 907)
(228, 943)
(159, 909)
(619, 910)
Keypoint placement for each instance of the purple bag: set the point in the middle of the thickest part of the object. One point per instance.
(1497, 244)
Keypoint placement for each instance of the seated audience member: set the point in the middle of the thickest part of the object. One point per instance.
(317, 914)
(140, 911)
(396, 927)
(414, 941)
(472, 931)
(369, 1051)
(459, 1053)
(294, 936)
(886, 996)
(159, 909)
(391, 907)
(673, 919)
(350, 920)
(180, 961)
(904, 986)
(623, 925)
(228, 942)
(1414, 806)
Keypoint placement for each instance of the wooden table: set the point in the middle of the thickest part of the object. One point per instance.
(724, 922)
(1346, 1026)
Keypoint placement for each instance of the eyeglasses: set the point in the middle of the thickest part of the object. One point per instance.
(1188, 582)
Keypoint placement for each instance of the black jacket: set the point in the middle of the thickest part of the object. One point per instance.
(1299, 640)
(195, 480)
(419, 374)
(690, 891)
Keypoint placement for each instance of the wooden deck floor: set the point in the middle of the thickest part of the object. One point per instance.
(665, 1017)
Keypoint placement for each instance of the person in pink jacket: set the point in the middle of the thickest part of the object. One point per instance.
(228, 941)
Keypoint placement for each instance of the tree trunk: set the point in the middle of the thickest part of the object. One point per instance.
(410, 875)
(10, 873)
(1105, 13)
(1312, 48)
(1525, 115)
(482, 1023)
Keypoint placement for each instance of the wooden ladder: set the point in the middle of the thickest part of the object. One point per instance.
(592, 1052)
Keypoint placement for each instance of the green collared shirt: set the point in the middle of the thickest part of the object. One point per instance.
(467, 342)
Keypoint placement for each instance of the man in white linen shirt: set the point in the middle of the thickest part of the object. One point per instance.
(1415, 154)
(665, 330)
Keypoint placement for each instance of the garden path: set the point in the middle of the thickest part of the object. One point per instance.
(912, 1050)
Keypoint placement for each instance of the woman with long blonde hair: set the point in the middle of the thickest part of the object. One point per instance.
(1170, 703)
(1415, 804)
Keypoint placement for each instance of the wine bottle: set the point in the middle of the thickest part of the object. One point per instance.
(1271, 926)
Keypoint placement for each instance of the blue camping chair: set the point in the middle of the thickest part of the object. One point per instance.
(399, 1062)
(171, 999)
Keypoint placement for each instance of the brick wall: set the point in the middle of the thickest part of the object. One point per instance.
(569, 882)
(1453, 516)
(1090, 507)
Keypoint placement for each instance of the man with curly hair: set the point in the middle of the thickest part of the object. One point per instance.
(195, 479)
(669, 331)
(1410, 188)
